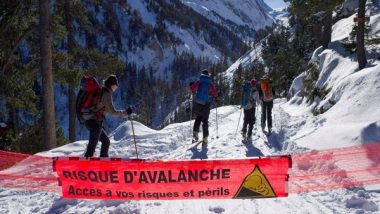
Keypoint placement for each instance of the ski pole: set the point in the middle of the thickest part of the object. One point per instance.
(256, 114)
(134, 137)
(238, 122)
(216, 115)
(191, 112)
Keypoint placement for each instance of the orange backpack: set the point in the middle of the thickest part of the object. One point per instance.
(267, 90)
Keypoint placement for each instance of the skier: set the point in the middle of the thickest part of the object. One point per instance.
(266, 93)
(202, 88)
(249, 100)
(94, 122)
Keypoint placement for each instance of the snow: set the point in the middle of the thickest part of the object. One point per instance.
(281, 17)
(342, 28)
(254, 54)
(245, 61)
(352, 120)
(355, 94)
(147, 17)
(194, 44)
(171, 143)
(250, 14)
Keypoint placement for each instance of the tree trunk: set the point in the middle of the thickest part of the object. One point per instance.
(360, 49)
(327, 29)
(14, 116)
(47, 77)
(71, 85)
(317, 29)
(72, 101)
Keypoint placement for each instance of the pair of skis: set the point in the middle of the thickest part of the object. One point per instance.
(195, 144)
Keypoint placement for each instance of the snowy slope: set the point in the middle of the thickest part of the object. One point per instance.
(254, 54)
(171, 143)
(352, 105)
(247, 60)
(251, 15)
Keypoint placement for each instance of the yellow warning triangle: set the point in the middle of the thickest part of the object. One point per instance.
(255, 185)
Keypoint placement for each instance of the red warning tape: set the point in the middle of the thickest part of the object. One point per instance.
(311, 171)
(336, 168)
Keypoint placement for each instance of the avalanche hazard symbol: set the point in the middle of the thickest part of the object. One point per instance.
(255, 185)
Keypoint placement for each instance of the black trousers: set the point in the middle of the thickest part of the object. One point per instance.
(267, 114)
(97, 133)
(202, 113)
(249, 120)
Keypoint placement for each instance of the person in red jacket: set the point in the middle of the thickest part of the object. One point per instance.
(202, 87)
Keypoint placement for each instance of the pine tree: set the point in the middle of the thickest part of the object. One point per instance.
(236, 89)
(16, 78)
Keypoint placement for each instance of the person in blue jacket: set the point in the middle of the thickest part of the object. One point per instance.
(202, 87)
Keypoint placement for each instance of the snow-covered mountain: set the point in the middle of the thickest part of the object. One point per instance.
(246, 61)
(129, 28)
(243, 17)
(254, 54)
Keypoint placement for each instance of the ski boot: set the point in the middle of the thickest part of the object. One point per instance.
(249, 139)
(195, 137)
(204, 142)
(243, 134)
(269, 130)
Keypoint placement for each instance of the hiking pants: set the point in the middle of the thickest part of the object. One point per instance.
(202, 113)
(266, 114)
(96, 133)
(249, 119)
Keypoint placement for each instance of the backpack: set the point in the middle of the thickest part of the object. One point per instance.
(88, 97)
(202, 96)
(249, 98)
(267, 90)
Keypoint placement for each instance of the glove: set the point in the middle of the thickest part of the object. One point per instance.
(129, 110)
(191, 83)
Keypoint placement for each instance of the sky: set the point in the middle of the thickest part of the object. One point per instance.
(276, 4)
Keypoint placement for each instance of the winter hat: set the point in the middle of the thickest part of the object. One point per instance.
(205, 72)
(265, 77)
(110, 81)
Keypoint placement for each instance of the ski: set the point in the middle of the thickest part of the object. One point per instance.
(195, 144)
(266, 139)
(268, 134)
(246, 140)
